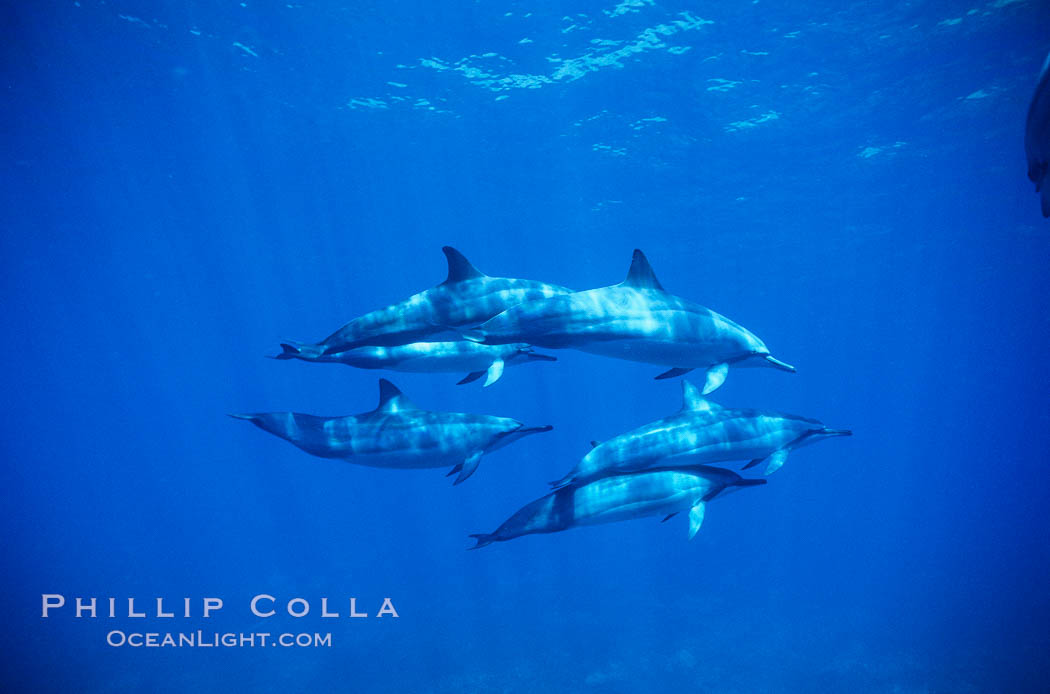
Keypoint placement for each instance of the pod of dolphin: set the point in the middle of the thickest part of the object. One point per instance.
(479, 324)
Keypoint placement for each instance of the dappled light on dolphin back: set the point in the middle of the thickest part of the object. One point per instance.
(635, 320)
(397, 434)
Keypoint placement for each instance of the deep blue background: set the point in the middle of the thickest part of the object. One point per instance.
(175, 204)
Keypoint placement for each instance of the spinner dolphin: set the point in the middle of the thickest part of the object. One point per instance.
(658, 492)
(635, 320)
(397, 434)
(467, 297)
(429, 357)
(701, 432)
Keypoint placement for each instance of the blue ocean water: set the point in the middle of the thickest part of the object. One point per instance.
(186, 184)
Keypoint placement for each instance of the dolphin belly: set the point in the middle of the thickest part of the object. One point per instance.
(408, 459)
(416, 440)
(362, 443)
(443, 363)
(658, 352)
(610, 512)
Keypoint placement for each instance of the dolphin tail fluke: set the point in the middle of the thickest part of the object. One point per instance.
(470, 378)
(483, 540)
(290, 349)
(671, 373)
(256, 419)
(746, 482)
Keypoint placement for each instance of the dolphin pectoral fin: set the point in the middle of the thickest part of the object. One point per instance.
(456, 468)
(669, 516)
(671, 373)
(776, 460)
(494, 372)
(469, 466)
(716, 376)
(696, 518)
(753, 463)
(471, 377)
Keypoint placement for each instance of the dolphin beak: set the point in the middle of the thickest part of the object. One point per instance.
(836, 432)
(523, 431)
(776, 363)
(535, 356)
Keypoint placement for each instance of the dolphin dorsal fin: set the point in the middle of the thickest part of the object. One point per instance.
(693, 400)
(459, 268)
(641, 275)
(391, 399)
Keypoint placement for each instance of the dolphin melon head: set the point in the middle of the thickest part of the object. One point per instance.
(753, 352)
